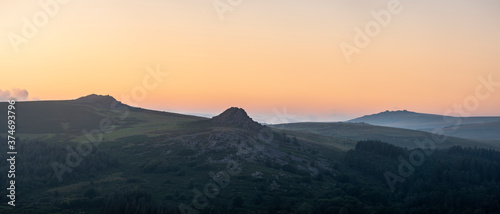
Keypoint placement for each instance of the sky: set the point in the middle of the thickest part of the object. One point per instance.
(280, 57)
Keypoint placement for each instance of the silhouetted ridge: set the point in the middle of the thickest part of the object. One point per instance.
(236, 117)
(395, 113)
(99, 100)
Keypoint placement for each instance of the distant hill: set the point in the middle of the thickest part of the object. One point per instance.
(480, 128)
(362, 131)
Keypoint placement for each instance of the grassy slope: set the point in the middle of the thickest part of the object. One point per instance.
(333, 142)
(65, 120)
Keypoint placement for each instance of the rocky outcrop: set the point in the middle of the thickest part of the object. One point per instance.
(103, 101)
(236, 117)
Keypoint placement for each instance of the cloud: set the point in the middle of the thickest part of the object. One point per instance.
(20, 94)
(4, 95)
(15, 93)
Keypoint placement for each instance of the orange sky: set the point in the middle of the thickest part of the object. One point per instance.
(264, 55)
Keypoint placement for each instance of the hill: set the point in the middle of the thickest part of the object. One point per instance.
(158, 158)
(67, 120)
(236, 117)
(479, 128)
(362, 131)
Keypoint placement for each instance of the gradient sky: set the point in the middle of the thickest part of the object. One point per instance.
(265, 56)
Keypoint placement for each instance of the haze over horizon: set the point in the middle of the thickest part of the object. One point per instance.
(263, 57)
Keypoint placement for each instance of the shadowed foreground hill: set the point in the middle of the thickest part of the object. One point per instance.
(158, 162)
(158, 169)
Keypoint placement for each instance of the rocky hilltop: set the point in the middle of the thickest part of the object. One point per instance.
(103, 101)
(236, 117)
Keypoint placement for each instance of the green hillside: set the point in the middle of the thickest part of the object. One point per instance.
(66, 120)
